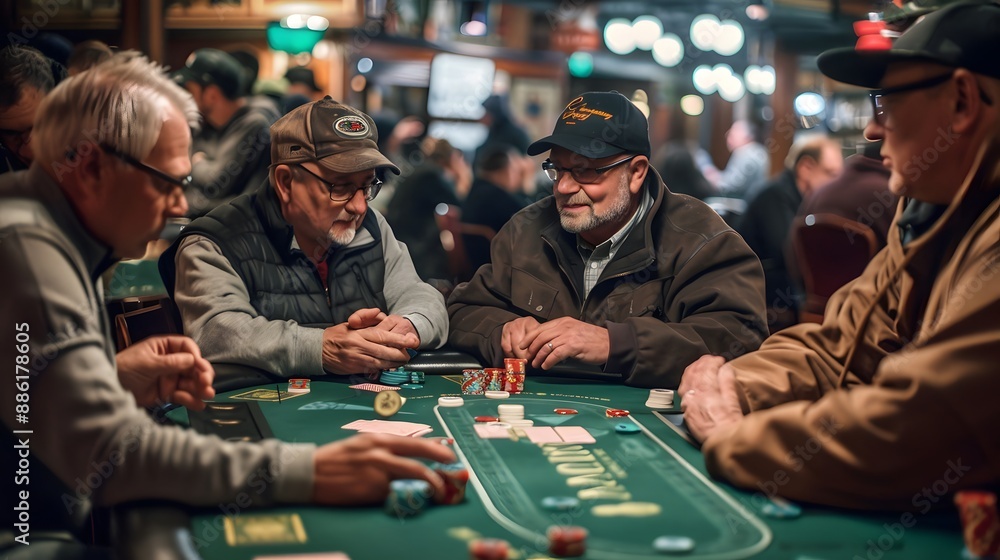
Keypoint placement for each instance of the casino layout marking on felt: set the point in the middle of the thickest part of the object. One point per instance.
(627, 484)
(251, 529)
(267, 395)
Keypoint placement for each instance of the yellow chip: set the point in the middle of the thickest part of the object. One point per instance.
(387, 403)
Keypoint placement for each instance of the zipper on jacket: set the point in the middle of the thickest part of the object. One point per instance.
(363, 286)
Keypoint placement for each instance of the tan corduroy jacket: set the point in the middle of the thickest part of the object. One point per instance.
(894, 401)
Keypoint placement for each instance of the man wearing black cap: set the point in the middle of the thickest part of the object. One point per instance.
(230, 151)
(301, 278)
(896, 390)
(613, 270)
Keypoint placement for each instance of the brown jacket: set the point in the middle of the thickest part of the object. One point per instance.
(892, 401)
(682, 284)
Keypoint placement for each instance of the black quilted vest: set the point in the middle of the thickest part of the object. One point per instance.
(283, 283)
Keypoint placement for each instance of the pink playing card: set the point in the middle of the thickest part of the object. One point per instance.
(575, 434)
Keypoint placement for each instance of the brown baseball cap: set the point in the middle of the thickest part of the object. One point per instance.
(336, 136)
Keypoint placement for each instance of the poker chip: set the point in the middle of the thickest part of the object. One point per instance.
(488, 549)
(565, 411)
(456, 478)
(778, 508)
(627, 428)
(560, 503)
(497, 394)
(672, 544)
(387, 403)
(567, 541)
(408, 497)
(660, 398)
(298, 385)
(486, 418)
(616, 413)
(412, 386)
(395, 376)
(980, 522)
(450, 401)
(519, 423)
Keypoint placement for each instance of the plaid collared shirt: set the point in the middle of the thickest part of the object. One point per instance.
(596, 259)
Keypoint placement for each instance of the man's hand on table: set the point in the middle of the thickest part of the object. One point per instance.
(357, 470)
(709, 397)
(166, 369)
(547, 344)
(369, 341)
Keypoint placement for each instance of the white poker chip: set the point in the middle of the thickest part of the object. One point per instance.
(497, 394)
(450, 401)
(511, 410)
(660, 398)
(520, 423)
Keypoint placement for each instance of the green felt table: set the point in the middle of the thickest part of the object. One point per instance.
(656, 472)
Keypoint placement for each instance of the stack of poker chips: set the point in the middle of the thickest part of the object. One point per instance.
(660, 398)
(456, 478)
(513, 415)
(980, 524)
(395, 376)
(488, 549)
(514, 369)
(494, 378)
(417, 377)
(473, 382)
(408, 497)
(567, 541)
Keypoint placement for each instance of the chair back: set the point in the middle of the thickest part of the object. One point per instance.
(829, 251)
(454, 232)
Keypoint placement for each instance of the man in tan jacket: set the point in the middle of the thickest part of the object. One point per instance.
(891, 402)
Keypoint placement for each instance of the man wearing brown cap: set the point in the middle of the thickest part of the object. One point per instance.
(300, 277)
(613, 270)
(896, 391)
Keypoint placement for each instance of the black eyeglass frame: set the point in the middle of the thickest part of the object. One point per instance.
(183, 183)
(554, 172)
(371, 190)
(875, 95)
(18, 137)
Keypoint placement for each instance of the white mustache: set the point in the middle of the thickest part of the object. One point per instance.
(579, 200)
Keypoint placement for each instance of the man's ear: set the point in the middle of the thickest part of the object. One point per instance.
(283, 183)
(638, 168)
(87, 176)
(968, 105)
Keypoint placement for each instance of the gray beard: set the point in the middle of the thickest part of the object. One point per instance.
(617, 211)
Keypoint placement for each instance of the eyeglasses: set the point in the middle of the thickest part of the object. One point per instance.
(343, 193)
(182, 183)
(876, 95)
(582, 175)
(14, 139)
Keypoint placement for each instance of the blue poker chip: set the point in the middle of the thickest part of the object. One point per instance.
(560, 503)
(412, 386)
(673, 544)
(627, 428)
(782, 510)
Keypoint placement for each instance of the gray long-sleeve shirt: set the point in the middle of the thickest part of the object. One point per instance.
(216, 310)
(84, 425)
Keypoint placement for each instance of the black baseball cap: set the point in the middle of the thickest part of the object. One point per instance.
(961, 35)
(598, 124)
(213, 67)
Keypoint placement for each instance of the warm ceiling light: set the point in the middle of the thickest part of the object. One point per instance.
(692, 105)
(729, 40)
(668, 50)
(618, 36)
(646, 30)
(704, 29)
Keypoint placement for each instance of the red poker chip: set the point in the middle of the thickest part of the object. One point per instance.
(565, 411)
(616, 413)
(488, 549)
(487, 419)
(980, 521)
(567, 540)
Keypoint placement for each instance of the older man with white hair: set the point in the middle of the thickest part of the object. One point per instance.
(109, 169)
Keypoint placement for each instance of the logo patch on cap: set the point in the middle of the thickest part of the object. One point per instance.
(577, 110)
(351, 126)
